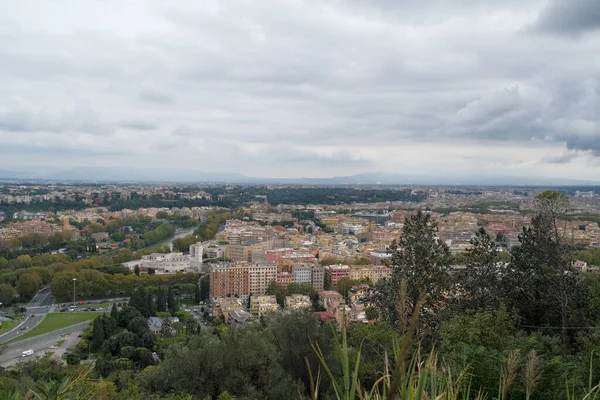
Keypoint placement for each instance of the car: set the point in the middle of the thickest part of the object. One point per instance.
(81, 302)
(32, 315)
(23, 328)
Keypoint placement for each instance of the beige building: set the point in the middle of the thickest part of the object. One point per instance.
(244, 251)
(298, 301)
(318, 277)
(260, 276)
(372, 274)
(261, 305)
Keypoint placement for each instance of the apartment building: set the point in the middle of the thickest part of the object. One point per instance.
(333, 274)
(372, 273)
(331, 300)
(318, 277)
(224, 305)
(275, 256)
(260, 276)
(261, 305)
(197, 252)
(297, 302)
(229, 279)
(302, 273)
(284, 278)
(244, 251)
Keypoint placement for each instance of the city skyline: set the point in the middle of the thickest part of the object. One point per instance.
(303, 89)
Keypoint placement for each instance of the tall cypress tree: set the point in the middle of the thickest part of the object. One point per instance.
(161, 301)
(150, 304)
(171, 301)
(114, 313)
(197, 295)
(98, 333)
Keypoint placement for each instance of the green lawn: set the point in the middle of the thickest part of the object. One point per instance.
(6, 326)
(55, 321)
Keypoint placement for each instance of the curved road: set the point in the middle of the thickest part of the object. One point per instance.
(37, 309)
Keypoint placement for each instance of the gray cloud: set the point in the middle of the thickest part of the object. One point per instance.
(591, 143)
(564, 158)
(17, 115)
(138, 125)
(155, 96)
(306, 88)
(570, 17)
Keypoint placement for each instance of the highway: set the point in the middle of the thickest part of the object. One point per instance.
(41, 345)
(37, 309)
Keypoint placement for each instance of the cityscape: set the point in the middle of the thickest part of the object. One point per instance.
(300, 200)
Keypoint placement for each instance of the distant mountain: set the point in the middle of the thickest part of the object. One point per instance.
(120, 174)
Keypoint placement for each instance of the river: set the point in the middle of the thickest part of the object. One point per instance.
(179, 233)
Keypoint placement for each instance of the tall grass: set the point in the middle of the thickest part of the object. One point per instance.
(408, 375)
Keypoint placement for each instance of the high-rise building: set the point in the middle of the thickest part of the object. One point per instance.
(260, 276)
(333, 274)
(318, 277)
(229, 280)
(302, 273)
(196, 252)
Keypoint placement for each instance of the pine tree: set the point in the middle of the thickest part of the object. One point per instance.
(420, 261)
(136, 270)
(172, 305)
(114, 313)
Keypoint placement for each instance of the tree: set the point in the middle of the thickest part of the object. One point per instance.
(420, 260)
(29, 284)
(197, 295)
(139, 301)
(151, 307)
(73, 359)
(171, 304)
(98, 333)
(479, 284)
(114, 312)
(205, 287)
(136, 270)
(541, 282)
(25, 261)
(161, 301)
(344, 285)
(7, 294)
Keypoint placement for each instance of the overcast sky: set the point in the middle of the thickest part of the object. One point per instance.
(311, 88)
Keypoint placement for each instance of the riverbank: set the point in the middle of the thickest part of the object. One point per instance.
(179, 233)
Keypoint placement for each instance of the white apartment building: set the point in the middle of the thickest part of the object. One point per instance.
(302, 273)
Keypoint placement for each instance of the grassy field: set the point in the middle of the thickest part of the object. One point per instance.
(6, 326)
(55, 321)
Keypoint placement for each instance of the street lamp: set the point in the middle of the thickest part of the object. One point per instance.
(74, 280)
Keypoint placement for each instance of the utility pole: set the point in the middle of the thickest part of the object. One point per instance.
(74, 280)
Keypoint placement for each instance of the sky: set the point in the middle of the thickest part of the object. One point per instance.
(312, 88)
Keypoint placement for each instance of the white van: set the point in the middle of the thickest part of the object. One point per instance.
(27, 353)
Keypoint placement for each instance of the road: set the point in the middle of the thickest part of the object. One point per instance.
(13, 354)
(37, 309)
